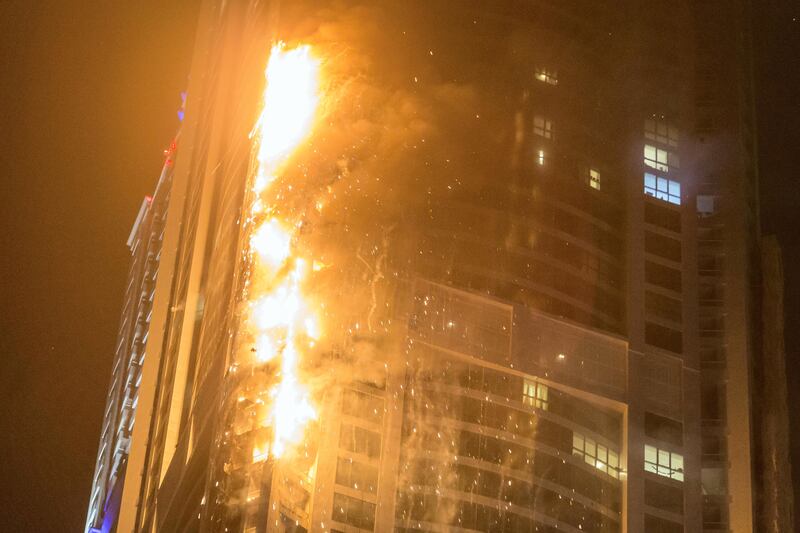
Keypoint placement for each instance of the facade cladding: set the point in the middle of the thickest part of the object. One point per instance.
(540, 276)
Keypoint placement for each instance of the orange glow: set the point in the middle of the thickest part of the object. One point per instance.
(280, 319)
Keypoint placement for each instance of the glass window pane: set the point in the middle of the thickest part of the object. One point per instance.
(650, 454)
(602, 453)
(662, 184)
(663, 457)
(613, 459)
(674, 188)
(650, 180)
(590, 447)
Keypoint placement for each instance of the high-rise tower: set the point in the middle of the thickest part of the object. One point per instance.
(499, 274)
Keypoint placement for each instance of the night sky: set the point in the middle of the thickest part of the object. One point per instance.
(88, 98)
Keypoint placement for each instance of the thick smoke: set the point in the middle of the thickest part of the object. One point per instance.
(404, 127)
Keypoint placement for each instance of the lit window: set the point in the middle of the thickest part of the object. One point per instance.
(542, 127)
(540, 157)
(663, 463)
(594, 179)
(662, 188)
(535, 394)
(659, 131)
(659, 159)
(547, 76)
(596, 454)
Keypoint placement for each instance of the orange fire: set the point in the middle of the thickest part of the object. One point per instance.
(281, 318)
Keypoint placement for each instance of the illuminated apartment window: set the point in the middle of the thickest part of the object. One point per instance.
(542, 127)
(659, 159)
(662, 188)
(663, 463)
(547, 76)
(660, 132)
(540, 157)
(596, 454)
(535, 394)
(594, 179)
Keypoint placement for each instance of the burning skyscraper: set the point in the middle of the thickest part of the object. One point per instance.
(436, 266)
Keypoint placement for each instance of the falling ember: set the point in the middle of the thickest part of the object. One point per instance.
(280, 321)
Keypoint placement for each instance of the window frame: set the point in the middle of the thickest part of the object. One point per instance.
(664, 463)
(662, 188)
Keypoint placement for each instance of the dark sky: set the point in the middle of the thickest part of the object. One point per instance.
(88, 94)
(777, 75)
(88, 98)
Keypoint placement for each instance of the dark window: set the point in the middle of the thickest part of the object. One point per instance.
(662, 216)
(663, 276)
(663, 337)
(663, 496)
(663, 306)
(711, 401)
(653, 524)
(663, 429)
(712, 446)
(662, 246)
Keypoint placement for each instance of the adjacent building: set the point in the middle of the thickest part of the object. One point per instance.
(120, 412)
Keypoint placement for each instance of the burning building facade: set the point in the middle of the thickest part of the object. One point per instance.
(443, 268)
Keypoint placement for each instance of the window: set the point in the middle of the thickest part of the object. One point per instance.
(594, 179)
(659, 159)
(664, 496)
(713, 481)
(549, 77)
(535, 394)
(540, 158)
(662, 216)
(596, 454)
(663, 306)
(661, 428)
(663, 337)
(361, 405)
(705, 205)
(660, 132)
(542, 127)
(663, 276)
(355, 475)
(663, 463)
(360, 440)
(662, 246)
(654, 524)
(353, 511)
(662, 188)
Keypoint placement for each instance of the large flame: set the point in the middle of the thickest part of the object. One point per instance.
(281, 321)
